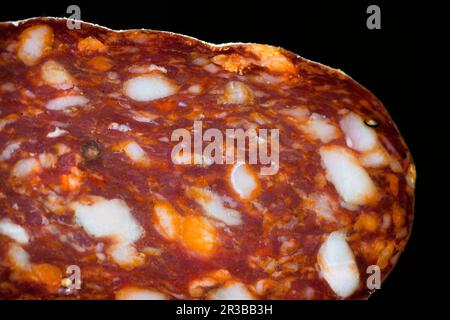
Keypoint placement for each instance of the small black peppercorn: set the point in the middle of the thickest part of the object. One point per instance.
(91, 150)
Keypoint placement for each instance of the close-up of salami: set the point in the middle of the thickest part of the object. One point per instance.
(120, 175)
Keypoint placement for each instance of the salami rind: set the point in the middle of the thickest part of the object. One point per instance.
(89, 181)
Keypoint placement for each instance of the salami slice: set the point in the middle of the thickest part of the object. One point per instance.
(96, 202)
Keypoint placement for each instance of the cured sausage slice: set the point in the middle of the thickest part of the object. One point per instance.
(91, 177)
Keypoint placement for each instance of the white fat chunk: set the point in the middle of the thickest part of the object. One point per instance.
(236, 92)
(135, 152)
(338, 266)
(107, 218)
(35, 40)
(142, 116)
(55, 74)
(211, 68)
(25, 167)
(47, 160)
(411, 176)
(125, 254)
(299, 113)
(321, 130)
(56, 133)
(9, 150)
(134, 293)
(149, 87)
(359, 136)
(375, 159)
(231, 291)
(154, 67)
(197, 286)
(214, 207)
(267, 78)
(147, 68)
(14, 231)
(200, 61)
(349, 178)
(195, 89)
(167, 221)
(243, 180)
(19, 257)
(323, 206)
(65, 102)
(119, 127)
(395, 165)
(61, 149)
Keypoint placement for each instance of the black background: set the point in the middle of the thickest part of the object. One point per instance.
(395, 63)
